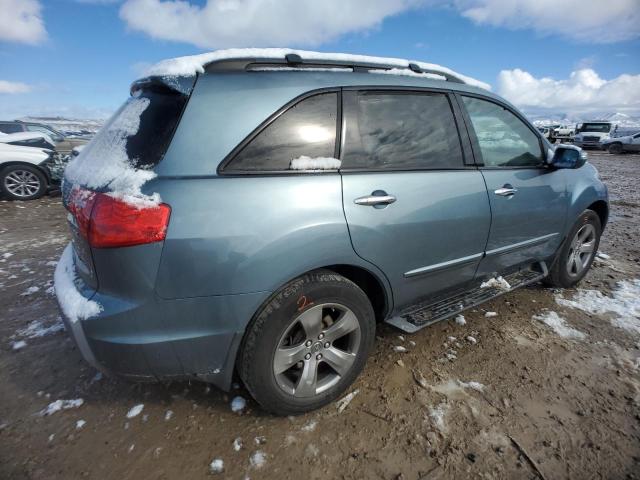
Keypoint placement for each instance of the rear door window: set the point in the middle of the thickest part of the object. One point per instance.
(301, 138)
(401, 131)
(504, 139)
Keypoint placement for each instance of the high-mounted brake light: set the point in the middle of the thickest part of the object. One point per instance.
(108, 222)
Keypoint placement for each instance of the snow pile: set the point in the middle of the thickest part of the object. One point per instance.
(135, 410)
(104, 161)
(73, 304)
(319, 163)
(194, 64)
(437, 416)
(258, 459)
(559, 325)
(238, 404)
(460, 320)
(216, 466)
(624, 302)
(498, 282)
(58, 405)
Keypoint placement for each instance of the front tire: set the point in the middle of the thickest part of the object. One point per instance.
(307, 344)
(22, 182)
(615, 148)
(577, 252)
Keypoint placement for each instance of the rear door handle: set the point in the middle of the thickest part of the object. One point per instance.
(373, 200)
(506, 191)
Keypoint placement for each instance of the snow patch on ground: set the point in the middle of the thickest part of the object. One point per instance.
(168, 414)
(80, 424)
(30, 291)
(18, 345)
(104, 161)
(460, 320)
(624, 303)
(491, 314)
(437, 416)
(310, 426)
(36, 329)
(58, 405)
(238, 404)
(194, 64)
(73, 304)
(258, 459)
(346, 400)
(399, 349)
(559, 325)
(318, 163)
(135, 410)
(216, 466)
(237, 444)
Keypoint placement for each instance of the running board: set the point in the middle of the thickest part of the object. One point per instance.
(431, 311)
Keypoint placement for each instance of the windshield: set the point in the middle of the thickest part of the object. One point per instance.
(596, 127)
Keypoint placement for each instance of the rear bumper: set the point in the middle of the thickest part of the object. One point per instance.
(193, 338)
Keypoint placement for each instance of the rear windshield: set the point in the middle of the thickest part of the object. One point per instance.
(145, 124)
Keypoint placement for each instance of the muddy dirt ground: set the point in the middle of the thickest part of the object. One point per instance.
(547, 403)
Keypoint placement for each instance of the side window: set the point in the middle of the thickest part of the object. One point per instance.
(505, 140)
(302, 138)
(10, 127)
(403, 131)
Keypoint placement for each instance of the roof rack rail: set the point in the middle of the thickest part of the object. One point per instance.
(294, 60)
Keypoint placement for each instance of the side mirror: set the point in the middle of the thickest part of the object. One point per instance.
(568, 156)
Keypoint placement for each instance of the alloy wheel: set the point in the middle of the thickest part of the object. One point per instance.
(317, 349)
(22, 183)
(582, 250)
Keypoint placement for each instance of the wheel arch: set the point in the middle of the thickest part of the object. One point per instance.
(13, 163)
(602, 209)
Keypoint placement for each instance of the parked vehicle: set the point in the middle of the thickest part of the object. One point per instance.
(63, 144)
(545, 132)
(299, 200)
(616, 145)
(563, 132)
(28, 139)
(26, 172)
(592, 134)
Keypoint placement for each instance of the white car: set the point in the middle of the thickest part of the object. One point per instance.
(629, 143)
(25, 172)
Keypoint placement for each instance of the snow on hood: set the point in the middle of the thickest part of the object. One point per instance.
(32, 155)
(21, 136)
(193, 64)
(104, 162)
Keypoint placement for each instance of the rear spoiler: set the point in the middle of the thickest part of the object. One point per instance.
(168, 84)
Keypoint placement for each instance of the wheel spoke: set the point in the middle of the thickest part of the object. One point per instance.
(287, 357)
(307, 383)
(577, 264)
(587, 247)
(311, 321)
(347, 323)
(339, 360)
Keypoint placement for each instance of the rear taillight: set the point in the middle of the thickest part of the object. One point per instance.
(107, 222)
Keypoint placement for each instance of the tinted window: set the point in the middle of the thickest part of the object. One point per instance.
(308, 129)
(504, 139)
(153, 115)
(402, 131)
(10, 127)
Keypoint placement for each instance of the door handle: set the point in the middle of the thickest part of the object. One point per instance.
(373, 200)
(506, 191)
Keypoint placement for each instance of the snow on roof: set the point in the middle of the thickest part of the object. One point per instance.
(193, 64)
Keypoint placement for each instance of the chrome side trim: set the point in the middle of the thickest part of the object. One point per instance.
(441, 266)
(516, 246)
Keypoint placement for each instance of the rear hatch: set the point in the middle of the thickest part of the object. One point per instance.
(103, 187)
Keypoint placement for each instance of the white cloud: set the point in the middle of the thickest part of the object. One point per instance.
(583, 91)
(590, 21)
(243, 23)
(13, 87)
(21, 21)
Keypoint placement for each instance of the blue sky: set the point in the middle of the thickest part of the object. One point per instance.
(91, 50)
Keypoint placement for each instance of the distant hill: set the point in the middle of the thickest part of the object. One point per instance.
(69, 126)
(623, 120)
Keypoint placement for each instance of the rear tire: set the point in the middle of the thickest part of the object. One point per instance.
(307, 344)
(577, 252)
(22, 182)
